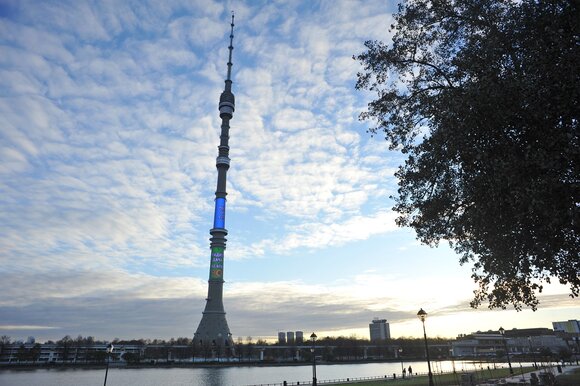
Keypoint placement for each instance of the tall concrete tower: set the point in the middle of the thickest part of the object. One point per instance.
(213, 328)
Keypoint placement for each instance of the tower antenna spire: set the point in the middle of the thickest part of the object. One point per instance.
(231, 48)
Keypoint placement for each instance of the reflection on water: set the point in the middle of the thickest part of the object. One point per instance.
(222, 376)
(211, 377)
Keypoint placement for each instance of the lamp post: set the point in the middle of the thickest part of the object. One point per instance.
(507, 353)
(313, 340)
(109, 352)
(400, 350)
(219, 346)
(532, 352)
(577, 339)
(452, 360)
(422, 315)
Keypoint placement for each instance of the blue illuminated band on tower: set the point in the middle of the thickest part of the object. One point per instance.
(219, 217)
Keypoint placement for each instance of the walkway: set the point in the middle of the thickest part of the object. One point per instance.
(525, 378)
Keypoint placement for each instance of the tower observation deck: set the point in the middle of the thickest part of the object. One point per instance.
(213, 330)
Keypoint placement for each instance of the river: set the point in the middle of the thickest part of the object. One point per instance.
(222, 376)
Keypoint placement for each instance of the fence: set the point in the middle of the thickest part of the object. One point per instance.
(415, 380)
(420, 379)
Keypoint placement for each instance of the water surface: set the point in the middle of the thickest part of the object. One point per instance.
(223, 376)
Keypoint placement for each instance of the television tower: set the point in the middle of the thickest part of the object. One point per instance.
(213, 328)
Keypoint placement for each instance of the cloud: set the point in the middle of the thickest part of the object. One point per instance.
(109, 126)
(292, 119)
(316, 235)
(138, 300)
(196, 31)
(108, 130)
(92, 301)
(24, 327)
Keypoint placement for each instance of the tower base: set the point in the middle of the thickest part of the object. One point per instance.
(213, 334)
(213, 327)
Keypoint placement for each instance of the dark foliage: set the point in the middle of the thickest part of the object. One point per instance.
(483, 98)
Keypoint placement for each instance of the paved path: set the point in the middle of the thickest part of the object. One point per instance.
(524, 379)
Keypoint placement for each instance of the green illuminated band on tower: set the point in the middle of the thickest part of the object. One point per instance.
(216, 270)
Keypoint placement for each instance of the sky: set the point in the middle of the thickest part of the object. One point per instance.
(109, 129)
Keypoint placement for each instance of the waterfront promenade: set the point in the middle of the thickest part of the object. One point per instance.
(493, 378)
(362, 374)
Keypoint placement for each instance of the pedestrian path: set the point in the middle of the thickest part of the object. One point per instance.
(526, 378)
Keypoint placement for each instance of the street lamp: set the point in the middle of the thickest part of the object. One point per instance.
(313, 340)
(230, 350)
(219, 346)
(400, 350)
(532, 352)
(109, 352)
(422, 315)
(507, 353)
(577, 339)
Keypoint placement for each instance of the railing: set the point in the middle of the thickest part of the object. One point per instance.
(341, 380)
(448, 378)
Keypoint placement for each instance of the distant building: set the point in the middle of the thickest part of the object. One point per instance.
(299, 336)
(19, 352)
(479, 344)
(290, 337)
(281, 337)
(517, 341)
(379, 330)
(571, 326)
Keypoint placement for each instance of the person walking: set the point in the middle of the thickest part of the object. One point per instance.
(410, 371)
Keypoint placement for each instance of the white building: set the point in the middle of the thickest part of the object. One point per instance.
(571, 326)
(479, 345)
(517, 342)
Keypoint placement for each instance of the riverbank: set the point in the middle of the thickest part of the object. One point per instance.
(179, 364)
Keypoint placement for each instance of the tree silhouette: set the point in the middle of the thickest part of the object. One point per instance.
(482, 97)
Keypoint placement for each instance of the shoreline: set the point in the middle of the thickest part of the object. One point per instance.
(147, 365)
